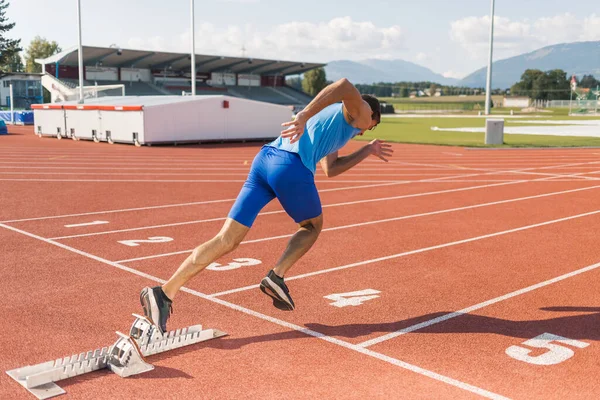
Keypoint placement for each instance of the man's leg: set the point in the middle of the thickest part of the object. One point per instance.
(298, 245)
(224, 242)
(157, 301)
(254, 195)
(294, 186)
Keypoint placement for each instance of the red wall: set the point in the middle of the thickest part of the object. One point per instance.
(63, 71)
(270, 80)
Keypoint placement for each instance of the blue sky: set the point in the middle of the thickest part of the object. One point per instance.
(448, 36)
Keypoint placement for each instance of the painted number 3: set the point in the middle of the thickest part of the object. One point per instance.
(554, 354)
(235, 264)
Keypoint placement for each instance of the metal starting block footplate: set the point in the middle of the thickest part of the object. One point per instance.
(125, 357)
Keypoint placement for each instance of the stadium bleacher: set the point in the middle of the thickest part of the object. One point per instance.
(156, 73)
(131, 88)
(201, 88)
(283, 95)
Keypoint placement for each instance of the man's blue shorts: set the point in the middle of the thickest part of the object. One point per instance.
(277, 173)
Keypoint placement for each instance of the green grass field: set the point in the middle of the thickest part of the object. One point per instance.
(418, 131)
(467, 105)
(441, 99)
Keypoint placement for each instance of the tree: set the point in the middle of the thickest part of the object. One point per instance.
(8, 47)
(295, 82)
(558, 85)
(589, 82)
(15, 63)
(314, 81)
(525, 87)
(539, 85)
(39, 48)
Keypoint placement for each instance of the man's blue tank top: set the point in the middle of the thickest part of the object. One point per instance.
(324, 133)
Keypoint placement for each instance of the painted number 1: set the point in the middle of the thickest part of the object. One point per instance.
(153, 239)
(555, 353)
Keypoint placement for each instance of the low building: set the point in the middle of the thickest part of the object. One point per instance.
(516, 102)
(27, 89)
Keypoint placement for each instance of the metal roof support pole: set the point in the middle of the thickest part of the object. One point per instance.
(80, 52)
(193, 50)
(488, 85)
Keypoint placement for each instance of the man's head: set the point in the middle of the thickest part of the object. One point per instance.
(375, 109)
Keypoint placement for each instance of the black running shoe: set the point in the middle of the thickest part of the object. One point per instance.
(273, 286)
(157, 307)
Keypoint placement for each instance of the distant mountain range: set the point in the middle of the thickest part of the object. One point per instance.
(372, 71)
(578, 58)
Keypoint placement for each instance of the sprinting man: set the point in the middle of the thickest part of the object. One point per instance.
(284, 169)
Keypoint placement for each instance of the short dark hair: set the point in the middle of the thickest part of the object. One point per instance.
(375, 106)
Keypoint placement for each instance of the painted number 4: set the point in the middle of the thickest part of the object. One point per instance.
(554, 354)
(352, 298)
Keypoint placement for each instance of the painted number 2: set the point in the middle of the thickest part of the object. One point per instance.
(555, 353)
(153, 239)
(235, 264)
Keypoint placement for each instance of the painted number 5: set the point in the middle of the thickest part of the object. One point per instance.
(153, 239)
(237, 263)
(555, 353)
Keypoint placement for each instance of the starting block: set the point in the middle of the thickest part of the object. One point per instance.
(125, 357)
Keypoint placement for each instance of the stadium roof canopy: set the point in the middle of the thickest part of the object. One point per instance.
(125, 58)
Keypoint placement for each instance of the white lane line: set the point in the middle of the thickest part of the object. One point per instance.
(86, 224)
(306, 331)
(181, 180)
(240, 168)
(282, 211)
(217, 174)
(411, 252)
(467, 310)
(442, 180)
(184, 204)
(512, 171)
(126, 180)
(449, 210)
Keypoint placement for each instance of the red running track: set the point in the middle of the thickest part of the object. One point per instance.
(478, 267)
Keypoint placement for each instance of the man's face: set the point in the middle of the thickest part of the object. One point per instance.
(371, 127)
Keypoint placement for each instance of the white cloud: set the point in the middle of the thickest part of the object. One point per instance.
(151, 43)
(591, 28)
(472, 33)
(560, 28)
(515, 37)
(453, 74)
(338, 38)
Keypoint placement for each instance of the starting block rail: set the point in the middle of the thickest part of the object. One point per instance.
(125, 357)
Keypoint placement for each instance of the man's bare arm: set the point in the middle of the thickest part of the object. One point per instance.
(357, 111)
(334, 165)
(343, 91)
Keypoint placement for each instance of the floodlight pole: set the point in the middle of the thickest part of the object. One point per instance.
(193, 58)
(488, 90)
(80, 52)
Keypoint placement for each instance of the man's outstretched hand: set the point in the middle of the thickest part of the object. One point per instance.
(296, 127)
(380, 149)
